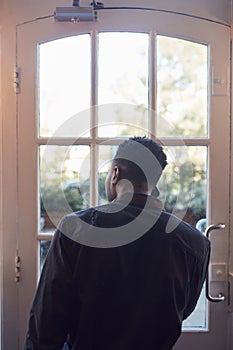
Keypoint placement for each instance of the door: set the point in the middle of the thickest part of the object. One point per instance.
(156, 74)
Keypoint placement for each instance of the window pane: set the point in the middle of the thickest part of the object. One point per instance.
(64, 183)
(123, 81)
(183, 188)
(106, 154)
(64, 86)
(182, 88)
(122, 111)
(43, 251)
(198, 319)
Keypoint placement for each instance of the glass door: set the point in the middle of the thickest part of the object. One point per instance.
(84, 88)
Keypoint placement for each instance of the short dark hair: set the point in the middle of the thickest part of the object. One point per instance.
(137, 148)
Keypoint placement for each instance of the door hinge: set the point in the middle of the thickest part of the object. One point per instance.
(17, 78)
(17, 268)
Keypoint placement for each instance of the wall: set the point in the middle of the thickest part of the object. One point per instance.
(28, 9)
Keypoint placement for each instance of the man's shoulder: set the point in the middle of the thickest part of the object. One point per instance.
(86, 226)
(186, 235)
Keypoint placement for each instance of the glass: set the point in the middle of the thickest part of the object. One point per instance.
(182, 90)
(64, 87)
(123, 90)
(198, 319)
(183, 186)
(183, 189)
(123, 83)
(105, 154)
(43, 251)
(64, 183)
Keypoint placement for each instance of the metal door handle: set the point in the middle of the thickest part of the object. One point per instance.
(220, 296)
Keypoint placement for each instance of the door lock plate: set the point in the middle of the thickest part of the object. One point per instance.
(218, 272)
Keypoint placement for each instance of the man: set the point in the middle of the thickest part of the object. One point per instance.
(121, 276)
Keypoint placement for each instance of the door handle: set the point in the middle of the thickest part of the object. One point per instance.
(220, 296)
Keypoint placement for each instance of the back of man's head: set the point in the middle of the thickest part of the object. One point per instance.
(141, 161)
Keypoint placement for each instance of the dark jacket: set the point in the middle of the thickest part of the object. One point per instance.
(125, 297)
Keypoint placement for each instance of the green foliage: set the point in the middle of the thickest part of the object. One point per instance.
(101, 187)
(55, 199)
(74, 196)
(185, 191)
(182, 88)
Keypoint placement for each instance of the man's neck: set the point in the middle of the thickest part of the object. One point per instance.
(132, 189)
(140, 199)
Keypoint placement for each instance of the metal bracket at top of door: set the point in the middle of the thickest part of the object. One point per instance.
(220, 296)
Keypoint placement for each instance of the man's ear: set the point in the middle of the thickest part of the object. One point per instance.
(115, 175)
